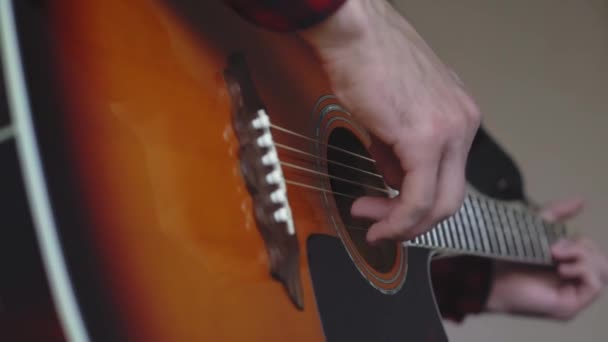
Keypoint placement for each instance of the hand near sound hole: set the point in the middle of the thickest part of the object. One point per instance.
(422, 119)
(580, 275)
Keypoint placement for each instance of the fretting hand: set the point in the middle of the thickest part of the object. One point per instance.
(580, 275)
(422, 119)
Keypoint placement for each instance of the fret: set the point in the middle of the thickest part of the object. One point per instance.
(446, 231)
(439, 235)
(423, 239)
(427, 238)
(461, 234)
(482, 224)
(508, 223)
(416, 240)
(453, 232)
(498, 229)
(469, 222)
(468, 230)
(517, 236)
(525, 234)
(474, 223)
(536, 244)
(546, 246)
(434, 237)
(491, 226)
(527, 238)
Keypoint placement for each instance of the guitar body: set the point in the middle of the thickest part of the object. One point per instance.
(134, 107)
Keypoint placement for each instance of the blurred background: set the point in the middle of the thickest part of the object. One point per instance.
(539, 71)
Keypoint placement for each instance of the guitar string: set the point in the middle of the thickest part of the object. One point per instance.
(329, 161)
(333, 147)
(312, 187)
(292, 149)
(301, 168)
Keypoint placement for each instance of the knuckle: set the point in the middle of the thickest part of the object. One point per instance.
(447, 210)
(455, 200)
(471, 109)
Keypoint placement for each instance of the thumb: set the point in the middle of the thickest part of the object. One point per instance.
(562, 210)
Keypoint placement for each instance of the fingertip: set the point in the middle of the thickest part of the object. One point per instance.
(374, 208)
(373, 236)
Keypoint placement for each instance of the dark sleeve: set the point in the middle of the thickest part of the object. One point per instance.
(462, 283)
(285, 15)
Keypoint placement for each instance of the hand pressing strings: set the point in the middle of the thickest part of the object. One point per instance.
(580, 275)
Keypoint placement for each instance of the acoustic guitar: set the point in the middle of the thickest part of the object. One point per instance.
(189, 178)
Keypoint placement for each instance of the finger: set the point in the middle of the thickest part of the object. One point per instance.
(567, 250)
(562, 210)
(373, 208)
(413, 204)
(573, 270)
(387, 163)
(598, 258)
(450, 188)
(589, 284)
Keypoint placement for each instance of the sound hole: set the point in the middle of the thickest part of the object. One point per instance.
(358, 170)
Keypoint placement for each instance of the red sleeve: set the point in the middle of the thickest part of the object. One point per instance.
(285, 15)
(461, 285)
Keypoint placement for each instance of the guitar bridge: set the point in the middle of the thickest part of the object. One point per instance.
(261, 170)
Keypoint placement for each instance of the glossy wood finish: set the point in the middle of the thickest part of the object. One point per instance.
(149, 118)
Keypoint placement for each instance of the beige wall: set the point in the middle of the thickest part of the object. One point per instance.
(539, 70)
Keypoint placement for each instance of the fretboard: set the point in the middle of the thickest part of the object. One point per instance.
(491, 228)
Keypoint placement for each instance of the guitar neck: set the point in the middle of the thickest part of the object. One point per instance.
(495, 229)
